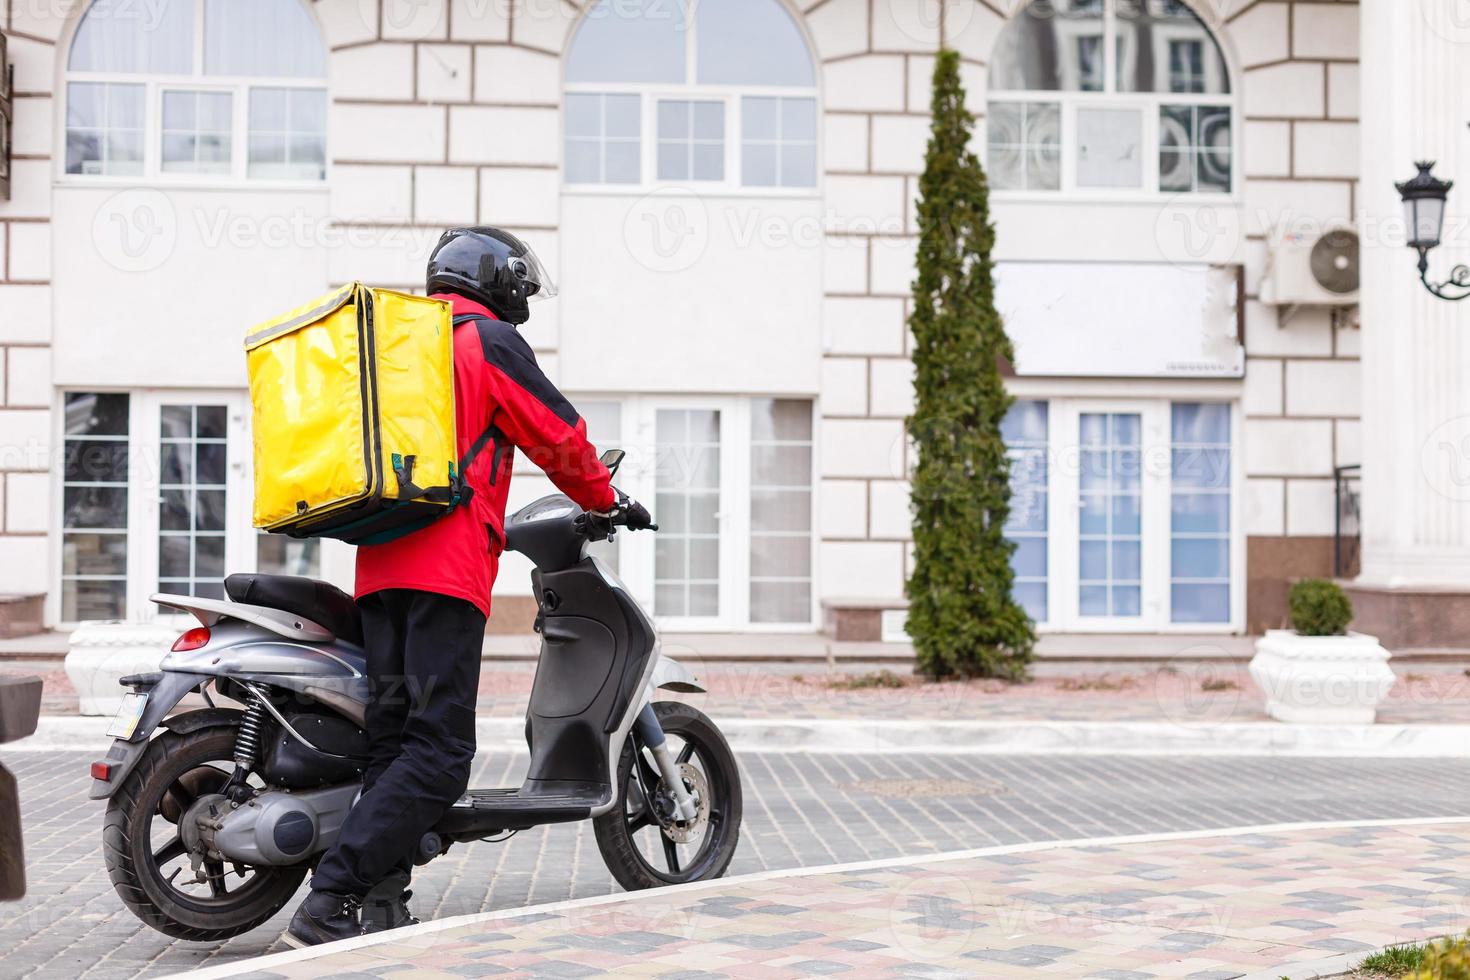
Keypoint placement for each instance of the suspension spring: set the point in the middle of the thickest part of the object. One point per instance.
(247, 739)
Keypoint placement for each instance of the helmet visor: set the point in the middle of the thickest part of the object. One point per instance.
(529, 269)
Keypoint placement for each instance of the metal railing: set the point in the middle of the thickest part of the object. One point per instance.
(1347, 542)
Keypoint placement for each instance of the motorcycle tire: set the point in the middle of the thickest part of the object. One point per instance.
(134, 865)
(618, 830)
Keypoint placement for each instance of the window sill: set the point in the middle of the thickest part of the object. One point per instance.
(186, 184)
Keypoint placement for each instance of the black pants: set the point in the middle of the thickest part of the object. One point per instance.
(423, 662)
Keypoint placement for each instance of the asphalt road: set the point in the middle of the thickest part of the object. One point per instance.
(799, 810)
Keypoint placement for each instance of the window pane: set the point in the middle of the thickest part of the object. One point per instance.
(780, 509)
(673, 119)
(115, 144)
(1163, 46)
(268, 109)
(94, 496)
(630, 41)
(124, 36)
(582, 116)
(758, 165)
(308, 110)
(94, 554)
(262, 38)
(759, 118)
(770, 154)
(277, 554)
(673, 161)
(1200, 603)
(583, 162)
(96, 415)
(1025, 432)
(1109, 148)
(1200, 569)
(709, 121)
(1051, 46)
(799, 166)
(196, 132)
(623, 116)
(799, 119)
(86, 105)
(287, 134)
(751, 42)
(709, 161)
(1024, 141)
(623, 163)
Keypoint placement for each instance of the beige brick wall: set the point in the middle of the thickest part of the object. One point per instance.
(1303, 383)
(25, 309)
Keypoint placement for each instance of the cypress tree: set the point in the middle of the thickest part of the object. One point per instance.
(962, 617)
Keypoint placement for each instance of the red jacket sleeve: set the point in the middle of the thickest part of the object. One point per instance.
(535, 416)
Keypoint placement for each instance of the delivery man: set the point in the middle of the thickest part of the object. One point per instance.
(425, 596)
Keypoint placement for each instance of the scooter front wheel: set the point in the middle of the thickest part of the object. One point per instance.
(643, 845)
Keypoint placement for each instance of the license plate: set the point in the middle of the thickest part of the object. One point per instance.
(128, 716)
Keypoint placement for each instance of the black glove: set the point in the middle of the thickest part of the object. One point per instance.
(636, 516)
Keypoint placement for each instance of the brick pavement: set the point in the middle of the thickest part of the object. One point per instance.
(800, 810)
(1209, 908)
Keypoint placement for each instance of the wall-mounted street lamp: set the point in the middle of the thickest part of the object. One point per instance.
(1424, 200)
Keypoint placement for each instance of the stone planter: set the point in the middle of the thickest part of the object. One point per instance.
(1332, 680)
(102, 653)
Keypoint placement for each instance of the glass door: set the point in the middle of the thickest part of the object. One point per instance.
(192, 511)
(1109, 551)
(689, 499)
(1110, 515)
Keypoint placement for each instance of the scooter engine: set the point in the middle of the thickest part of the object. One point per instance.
(279, 829)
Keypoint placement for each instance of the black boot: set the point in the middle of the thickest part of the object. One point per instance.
(324, 917)
(386, 906)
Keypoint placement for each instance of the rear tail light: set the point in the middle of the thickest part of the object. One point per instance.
(192, 640)
(102, 771)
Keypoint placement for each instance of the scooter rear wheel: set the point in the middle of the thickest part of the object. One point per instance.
(642, 847)
(148, 860)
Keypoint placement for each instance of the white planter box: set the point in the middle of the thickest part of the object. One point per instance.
(102, 653)
(1337, 680)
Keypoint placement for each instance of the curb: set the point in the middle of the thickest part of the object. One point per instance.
(416, 934)
(884, 737)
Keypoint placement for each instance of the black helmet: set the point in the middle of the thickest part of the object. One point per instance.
(490, 266)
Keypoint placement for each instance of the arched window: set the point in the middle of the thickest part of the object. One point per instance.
(718, 92)
(221, 88)
(1109, 96)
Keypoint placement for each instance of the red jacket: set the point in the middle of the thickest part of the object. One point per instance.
(498, 388)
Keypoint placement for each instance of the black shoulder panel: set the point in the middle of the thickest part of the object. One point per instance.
(506, 349)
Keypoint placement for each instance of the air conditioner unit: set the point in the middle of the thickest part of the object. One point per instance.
(1313, 269)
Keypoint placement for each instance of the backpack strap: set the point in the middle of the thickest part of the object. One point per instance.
(491, 434)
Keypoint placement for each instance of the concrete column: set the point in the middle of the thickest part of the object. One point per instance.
(1414, 589)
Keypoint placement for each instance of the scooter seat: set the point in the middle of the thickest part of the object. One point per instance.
(322, 603)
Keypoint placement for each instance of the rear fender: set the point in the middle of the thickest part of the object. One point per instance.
(163, 697)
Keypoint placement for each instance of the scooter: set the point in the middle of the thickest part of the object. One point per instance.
(216, 815)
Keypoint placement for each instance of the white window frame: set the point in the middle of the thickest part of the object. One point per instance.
(637, 476)
(692, 90)
(154, 84)
(144, 415)
(1112, 98)
(1063, 512)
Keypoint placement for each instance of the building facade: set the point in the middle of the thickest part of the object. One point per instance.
(724, 190)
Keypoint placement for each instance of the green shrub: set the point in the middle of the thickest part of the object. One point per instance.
(1447, 960)
(1319, 608)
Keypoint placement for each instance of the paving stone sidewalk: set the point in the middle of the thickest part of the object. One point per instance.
(1205, 907)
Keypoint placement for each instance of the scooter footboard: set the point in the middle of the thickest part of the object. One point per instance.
(163, 696)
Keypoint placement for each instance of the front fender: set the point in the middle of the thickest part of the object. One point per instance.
(163, 697)
(670, 675)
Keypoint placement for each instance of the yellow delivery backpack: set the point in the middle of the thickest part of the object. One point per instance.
(353, 407)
